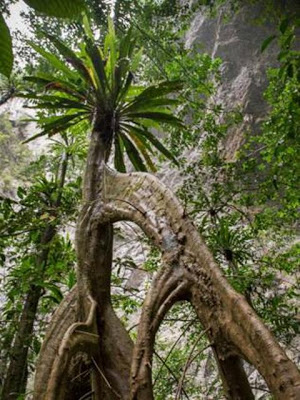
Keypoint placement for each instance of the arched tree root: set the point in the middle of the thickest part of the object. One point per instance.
(73, 337)
(189, 272)
(234, 327)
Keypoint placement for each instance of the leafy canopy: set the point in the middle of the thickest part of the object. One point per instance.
(52, 8)
(96, 83)
(58, 8)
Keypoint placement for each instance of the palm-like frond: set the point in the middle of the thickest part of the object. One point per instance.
(95, 79)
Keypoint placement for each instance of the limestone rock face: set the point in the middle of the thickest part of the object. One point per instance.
(237, 41)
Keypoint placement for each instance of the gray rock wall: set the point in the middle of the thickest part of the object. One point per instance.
(237, 41)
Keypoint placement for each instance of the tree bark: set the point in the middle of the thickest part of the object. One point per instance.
(98, 332)
(231, 323)
(233, 376)
(62, 319)
(16, 376)
(189, 272)
(94, 243)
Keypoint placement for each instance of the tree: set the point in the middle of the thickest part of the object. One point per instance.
(30, 228)
(121, 369)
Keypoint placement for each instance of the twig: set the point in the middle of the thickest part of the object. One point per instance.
(87, 333)
(187, 364)
(132, 327)
(200, 351)
(130, 204)
(18, 233)
(172, 348)
(171, 372)
(105, 379)
(86, 395)
(260, 388)
(86, 372)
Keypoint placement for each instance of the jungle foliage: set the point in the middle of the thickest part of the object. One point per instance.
(246, 210)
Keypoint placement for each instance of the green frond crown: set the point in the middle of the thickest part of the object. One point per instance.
(101, 79)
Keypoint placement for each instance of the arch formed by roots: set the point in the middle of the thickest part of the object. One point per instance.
(189, 272)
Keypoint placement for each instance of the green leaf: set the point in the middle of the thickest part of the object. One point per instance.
(6, 53)
(125, 44)
(123, 92)
(57, 124)
(125, 61)
(136, 60)
(289, 40)
(157, 116)
(154, 141)
(110, 45)
(133, 154)
(149, 104)
(284, 24)
(282, 55)
(21, 192)
(70, 57)
(52, 83)
(118, 158)
(142, 146)
(56, 292)
(40, 134)
(98, 66)
(267, 42)
(53, 60)
(87, 27)
(159, 90)
(58, 8)
(71, 279)
(55, 102)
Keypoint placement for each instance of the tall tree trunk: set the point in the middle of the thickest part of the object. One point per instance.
(16, 376)
(94, 244)
(106, 342)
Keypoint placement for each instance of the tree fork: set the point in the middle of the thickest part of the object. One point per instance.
(233, 327)
(232, 323)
